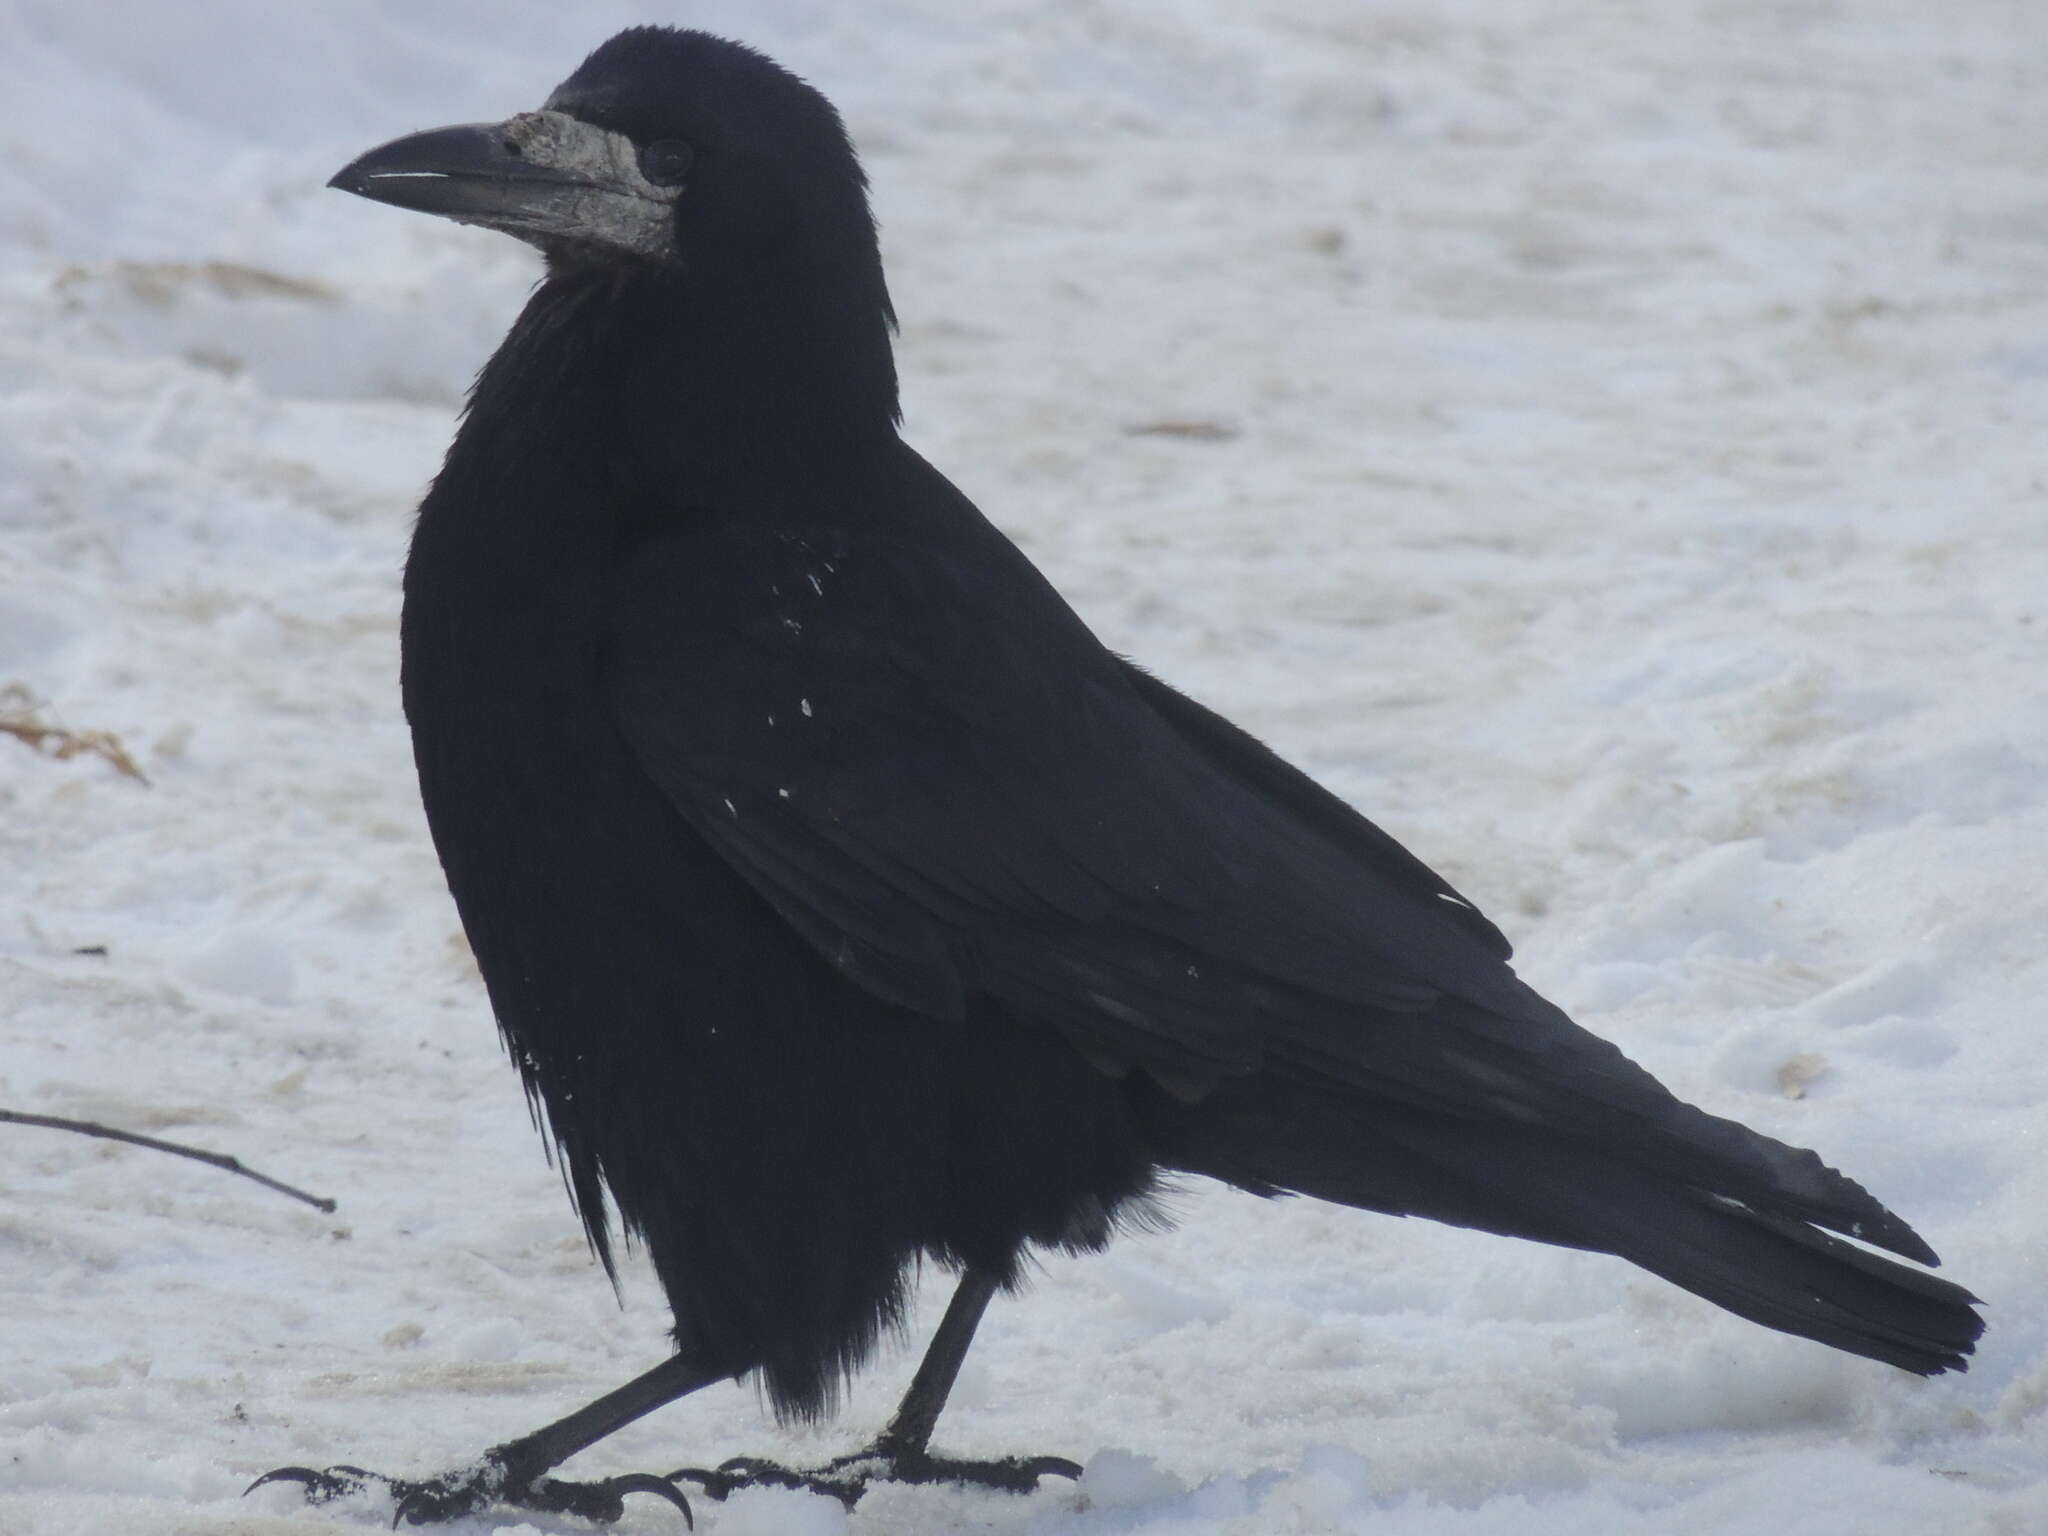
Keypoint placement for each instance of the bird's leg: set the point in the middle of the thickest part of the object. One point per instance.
(911, 1429)
(515, 1473)
(899, 1454)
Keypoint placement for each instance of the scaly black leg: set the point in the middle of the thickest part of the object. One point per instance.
(515, 1473)
(899, 1454)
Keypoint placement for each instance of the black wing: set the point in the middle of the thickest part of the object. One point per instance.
(911, 747)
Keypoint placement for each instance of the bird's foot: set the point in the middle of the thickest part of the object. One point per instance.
(470, 1490)
(848, 1477)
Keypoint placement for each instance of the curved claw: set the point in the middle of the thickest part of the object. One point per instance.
(421, 1505)
(1052, 1466)
(304, 1475)
(447, 1497)
(660, 1487)
(715, 1484)
(321, 1484)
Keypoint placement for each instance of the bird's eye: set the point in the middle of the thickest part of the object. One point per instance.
(666, 161)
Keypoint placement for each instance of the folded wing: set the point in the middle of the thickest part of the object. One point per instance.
(920, 757)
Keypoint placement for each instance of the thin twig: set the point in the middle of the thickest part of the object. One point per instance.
(217, 1159)
(21, 716)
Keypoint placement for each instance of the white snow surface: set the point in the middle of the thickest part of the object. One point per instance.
(1603, 439)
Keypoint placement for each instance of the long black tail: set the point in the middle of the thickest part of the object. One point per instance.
(1760, 1264)
(1786, 1275)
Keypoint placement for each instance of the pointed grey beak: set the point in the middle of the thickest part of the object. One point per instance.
(545, 177)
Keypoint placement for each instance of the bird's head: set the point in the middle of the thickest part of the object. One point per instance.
(665, 149)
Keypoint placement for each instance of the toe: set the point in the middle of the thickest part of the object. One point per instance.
(320, 1484)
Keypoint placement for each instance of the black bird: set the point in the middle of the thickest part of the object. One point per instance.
(846, 904)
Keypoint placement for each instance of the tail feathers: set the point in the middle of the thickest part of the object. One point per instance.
(1585, 1090)
(1787, 1276)
(1769, 1267)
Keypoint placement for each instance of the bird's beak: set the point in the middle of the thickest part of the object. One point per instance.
(545, 177)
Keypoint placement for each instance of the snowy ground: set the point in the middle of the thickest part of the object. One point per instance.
(1603, 438)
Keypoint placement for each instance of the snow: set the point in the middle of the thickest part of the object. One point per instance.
(1602, 441)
